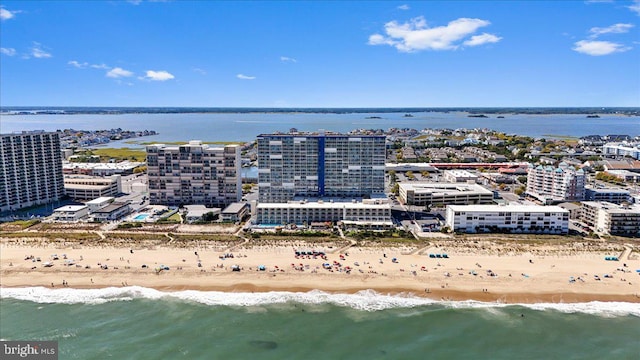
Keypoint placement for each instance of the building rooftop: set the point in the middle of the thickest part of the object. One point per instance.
(70, 208)
(234, 208)
(111, 207)
(436, 188)
(100, 200)
(322, 205)
(508, 208)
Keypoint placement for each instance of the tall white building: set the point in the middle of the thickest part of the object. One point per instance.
(194, 174)
(319, 165)
(550, 185)
(508, 218)
(30, 170)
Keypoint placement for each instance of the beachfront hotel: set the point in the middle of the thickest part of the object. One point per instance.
(30, 170)
(427, 193)
(194, 173)
(520, 219)
(551, 185)
(316, 165)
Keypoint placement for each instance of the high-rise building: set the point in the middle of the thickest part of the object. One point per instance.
(319, 165)
(194, 174)
(30, 170)
(549, 184)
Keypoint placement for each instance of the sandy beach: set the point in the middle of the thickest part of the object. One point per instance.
(472, 270)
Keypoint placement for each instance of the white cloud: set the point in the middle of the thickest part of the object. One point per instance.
(118, 72)
(599, 48)
(7, 14)
(100, 66)
(8, 51)
(613, 29)
(38, 52)
(245, 77)
(635, 7)
(78, 64)
(482, 39)
(415, 35)
(287, 59)
(158, 75)
(200, 71)
(404, 7)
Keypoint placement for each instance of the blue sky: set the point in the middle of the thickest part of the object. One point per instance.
(320, 54)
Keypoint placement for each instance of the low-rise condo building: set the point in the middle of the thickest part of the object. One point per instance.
(305, 212)
(81, 187)
(612, 195)
(439, 194)
(508, 218)
(622, 149)
(611, 219)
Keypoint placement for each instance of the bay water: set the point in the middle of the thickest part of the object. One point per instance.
(247, 126)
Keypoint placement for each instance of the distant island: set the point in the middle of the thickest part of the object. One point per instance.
(408, 115)
(477, 115)
(593, 116)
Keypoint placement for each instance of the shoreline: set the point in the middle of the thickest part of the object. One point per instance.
(515, 298)
(496, 273)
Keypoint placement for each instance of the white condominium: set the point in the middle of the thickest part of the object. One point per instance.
(194, 174)
(30, 170)
(509, 218)
(423, 193)
(549, 184)
(622, 149)
(318, 165)
(611, 219)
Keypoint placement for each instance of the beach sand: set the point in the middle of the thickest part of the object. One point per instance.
(472, 271)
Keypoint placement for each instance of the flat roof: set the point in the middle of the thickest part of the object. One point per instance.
(72, 208)
(322, 205)
(111, 207)
(100, 200)
(507, 208)
(234, 207)
(124, 165)
(442, 188)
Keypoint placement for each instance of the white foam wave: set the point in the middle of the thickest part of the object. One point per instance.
(366, 300)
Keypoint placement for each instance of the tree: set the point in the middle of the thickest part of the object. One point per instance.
(208, 217)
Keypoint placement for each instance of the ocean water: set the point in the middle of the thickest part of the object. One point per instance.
(246, 126)
(140, 323)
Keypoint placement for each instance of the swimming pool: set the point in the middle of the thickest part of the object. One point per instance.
(141, 217)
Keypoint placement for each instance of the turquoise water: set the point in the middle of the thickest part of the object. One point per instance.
(138, 323)
(141, 217)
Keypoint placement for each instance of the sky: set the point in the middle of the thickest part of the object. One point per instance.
(320, 54)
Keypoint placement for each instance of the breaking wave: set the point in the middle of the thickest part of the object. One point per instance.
(366, 300)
